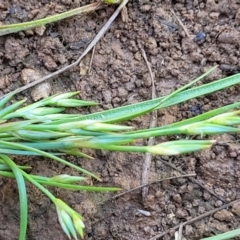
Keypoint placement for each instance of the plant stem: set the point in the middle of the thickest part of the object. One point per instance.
(45, 154)
(12, 28)
(22, 195)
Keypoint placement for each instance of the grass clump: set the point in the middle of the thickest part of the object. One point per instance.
(43, 129)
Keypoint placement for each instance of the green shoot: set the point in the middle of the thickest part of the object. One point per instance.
(17, 27)
(22, 195)
(225, 236)
(12, 28)
(40, 132)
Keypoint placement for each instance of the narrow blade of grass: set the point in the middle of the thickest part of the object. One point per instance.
(225, 236)
(22, 195)
(67, 186)
(134, 110)
(12, 28)
(51, 156)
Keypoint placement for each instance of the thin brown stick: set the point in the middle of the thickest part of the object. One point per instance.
(194, 180)
(148, 184)
(153, 123)
(180, 22)
(89, 47)
(194, 219)
(91, 60)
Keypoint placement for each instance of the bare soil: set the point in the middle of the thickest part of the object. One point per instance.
(119, 76)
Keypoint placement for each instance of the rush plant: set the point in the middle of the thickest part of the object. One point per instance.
(43, 129)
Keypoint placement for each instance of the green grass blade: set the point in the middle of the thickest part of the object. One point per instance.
(113, 115)
(134, 110)
(171, 95)
(12, 28)
(225, 236)
(68, 186)
(39, 135)
(11, 126)
(79, 187)
(131, 111)
(51, 156)
(25, 153)
(32, 108)
(189, 144)
(7, 98)
(11, 108)
(195, 119)
(22, 195)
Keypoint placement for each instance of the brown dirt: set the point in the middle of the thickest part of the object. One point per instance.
(120, 76)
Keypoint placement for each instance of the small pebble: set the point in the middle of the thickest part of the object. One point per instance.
(224, 215)
(41, 91)
(40, 30)
(145, 213)
(181, 213)
(200, 36)
(236, 208)
(229, 37)
(29, 75)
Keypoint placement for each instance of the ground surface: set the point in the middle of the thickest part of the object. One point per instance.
(119, 76)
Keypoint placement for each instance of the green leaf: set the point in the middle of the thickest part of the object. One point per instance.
(22, 195)
(225, 236)
(12, 28)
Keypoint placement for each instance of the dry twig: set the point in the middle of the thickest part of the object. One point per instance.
(153, 123)
(91, 60)
(194, 180)
(194, 219)
(180, 22)
(148, 184)
(90, 46)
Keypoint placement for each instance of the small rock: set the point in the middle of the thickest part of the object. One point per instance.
(29, 75)
(214, 15)
(219, 226)
(229, 37)
(188, 45)
(181, 213)
(195, 202)
(189, 230)
(237, 16)
(206, 195)
(138, 56)
(218, 203)
(41, 91)
(236, 208)
(48, 61)
(224, 215)
(40, 30)
(177, 198)
(151, 44)
(148, 230)
(147, 80)
(4, 82)
(201, 210)
(107, 96)
(220, 192)
(145, 213)
(200, 36)
(100, 61)
(122, 92)
(145, 8)
(196, 56)
(233, 154)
